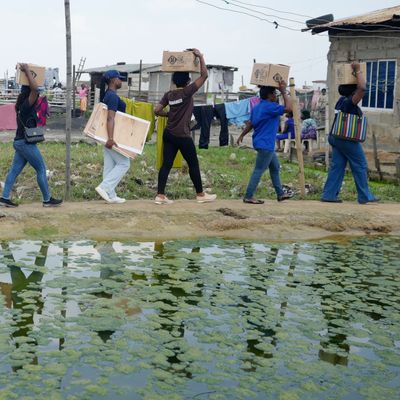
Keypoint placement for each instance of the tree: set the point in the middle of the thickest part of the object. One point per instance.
(68, 100)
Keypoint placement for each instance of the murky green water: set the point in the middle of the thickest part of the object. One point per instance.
(207, 319)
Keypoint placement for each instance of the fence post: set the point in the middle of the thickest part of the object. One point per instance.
(297, 131)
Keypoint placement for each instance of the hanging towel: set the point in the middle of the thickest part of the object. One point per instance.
(253, 102)
(142, 110)
(8, 117)
(238, 112)
(161, 125)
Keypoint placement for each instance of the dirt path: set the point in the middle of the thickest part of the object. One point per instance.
(143, 220)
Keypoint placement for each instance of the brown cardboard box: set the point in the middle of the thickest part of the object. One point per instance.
(345, 74)
(175, 61)
(269, 74)
(130, 132)
(37, 72)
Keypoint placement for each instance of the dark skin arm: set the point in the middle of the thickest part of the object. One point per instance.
(361, 84)
(286, 99)
(199, 82)
(248, 127)
(32, 84)
(159, 111)
(110, 129)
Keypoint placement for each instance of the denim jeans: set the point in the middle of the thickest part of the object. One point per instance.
(344, 151)
(115, 167)
(265, 159)
(27, 153)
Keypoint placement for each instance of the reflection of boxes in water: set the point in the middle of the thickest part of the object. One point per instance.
(38, 73)
(130, 132)
(345, 74)
(269, 74)
(175, 61)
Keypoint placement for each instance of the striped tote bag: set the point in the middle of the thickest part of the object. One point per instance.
(349, 127)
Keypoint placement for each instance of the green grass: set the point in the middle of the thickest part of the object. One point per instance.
(223, 174)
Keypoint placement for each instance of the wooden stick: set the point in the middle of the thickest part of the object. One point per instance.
(297, 132)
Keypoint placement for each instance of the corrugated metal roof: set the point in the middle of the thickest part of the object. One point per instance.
(386, 15)
(131, 68)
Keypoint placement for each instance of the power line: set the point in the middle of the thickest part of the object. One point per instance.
(276, 24)
(272, 9)
(262, 13)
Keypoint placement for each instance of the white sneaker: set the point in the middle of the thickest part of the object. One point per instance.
(163, 200)
(206, 198)
(102, 193)
(117, 200)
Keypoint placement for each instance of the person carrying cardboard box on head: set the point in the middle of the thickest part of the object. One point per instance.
(177, 134)
(265, 119)
(26, 152)
(343, 150)
(116, 165)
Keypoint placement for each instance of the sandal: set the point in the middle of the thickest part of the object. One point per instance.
(253, 201)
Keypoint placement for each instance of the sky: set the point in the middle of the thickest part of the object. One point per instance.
(107, 32)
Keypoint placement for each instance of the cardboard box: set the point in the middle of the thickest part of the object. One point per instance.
(175, 61)
(345, 74)
(269, 74)
(130, 132)
(38, 73)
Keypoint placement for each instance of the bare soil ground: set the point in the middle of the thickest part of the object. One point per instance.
(186, 219)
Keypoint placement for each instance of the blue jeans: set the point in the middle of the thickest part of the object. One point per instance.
(344, 151)
(115, 167)
(27, 153)
(265, 159)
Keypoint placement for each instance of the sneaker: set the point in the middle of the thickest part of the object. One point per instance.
(162, 200)
(102, 193)
(52, 202)
(7, 203)
(116, 200)
(206, 198)
(285, 196)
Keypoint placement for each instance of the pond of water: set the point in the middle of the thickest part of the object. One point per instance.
(205, 319)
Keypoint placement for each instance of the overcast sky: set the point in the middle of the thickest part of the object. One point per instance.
(106, 32)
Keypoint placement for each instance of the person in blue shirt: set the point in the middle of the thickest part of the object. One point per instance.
(344, 151)
(116, 165)
(265, 119)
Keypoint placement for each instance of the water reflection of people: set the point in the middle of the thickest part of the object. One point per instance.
(171, 324)
(23, 321)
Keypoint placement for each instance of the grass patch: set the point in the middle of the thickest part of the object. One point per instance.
(222, 173)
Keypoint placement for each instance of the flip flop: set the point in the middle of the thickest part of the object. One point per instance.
(253, 201)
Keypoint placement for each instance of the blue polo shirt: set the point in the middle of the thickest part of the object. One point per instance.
(265, 118)
(113, 102)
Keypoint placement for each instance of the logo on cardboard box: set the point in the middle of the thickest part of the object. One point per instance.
(172, 60)
(259, 74)
(277, 78)
(33, 73)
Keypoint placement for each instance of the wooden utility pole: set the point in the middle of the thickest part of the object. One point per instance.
(327, 145)
(68, 100)
(297, 131)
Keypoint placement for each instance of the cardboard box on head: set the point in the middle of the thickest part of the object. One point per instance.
(180, 61)
(38, 73)
(345, 74)
(269, 74)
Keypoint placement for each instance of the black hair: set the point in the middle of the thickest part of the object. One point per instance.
(305, 114)
(21, 98)
(289, 114)
(266, 91)
(104, 81)
(180, 79)
(347, 90)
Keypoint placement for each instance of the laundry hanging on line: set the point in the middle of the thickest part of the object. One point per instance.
(238, 112)
(142, 110)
